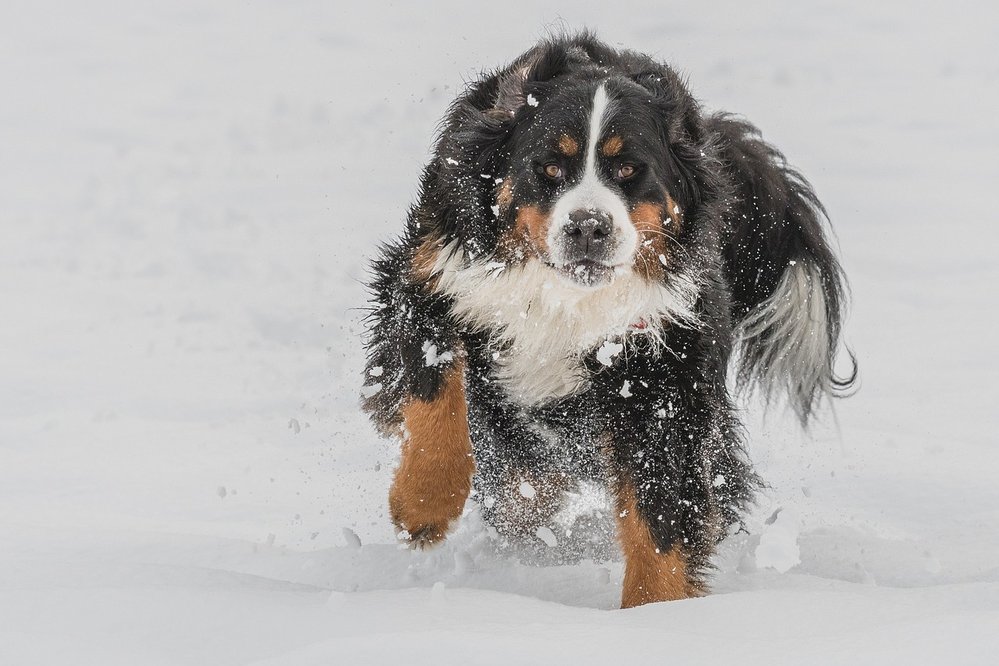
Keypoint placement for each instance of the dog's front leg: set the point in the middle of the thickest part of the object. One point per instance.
(435, 475)
(415, 388)
(663, 441)
(656, 568)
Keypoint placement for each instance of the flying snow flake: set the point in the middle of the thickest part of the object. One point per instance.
(719, 481)
(451, 161)
(608, 350)
(495, 210)
(368, 391)
(778, 547)
(350, 536)
(546, 535)
(431, 358)
(526, 490)
(662, 260)
(626, 389)
(532, 100)
(376, 371)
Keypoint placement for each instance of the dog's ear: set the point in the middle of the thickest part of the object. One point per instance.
(677, 108)
(541, 64)
(689, 145)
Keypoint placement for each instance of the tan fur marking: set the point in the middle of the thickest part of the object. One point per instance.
(649, 575)
(435, 476)
(424, 259)
(504, 194)
(568, 146)
(531, 229)
(674, 214)
(647, 219)
(612, 146)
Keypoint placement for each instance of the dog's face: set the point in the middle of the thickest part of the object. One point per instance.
(588, 187)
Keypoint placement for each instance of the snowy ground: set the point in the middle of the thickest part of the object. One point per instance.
(188, 195)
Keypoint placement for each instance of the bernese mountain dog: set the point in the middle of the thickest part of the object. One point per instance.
(593, 268)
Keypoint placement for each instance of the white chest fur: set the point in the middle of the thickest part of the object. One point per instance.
(542, 326)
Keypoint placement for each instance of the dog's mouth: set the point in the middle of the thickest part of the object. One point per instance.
(586, 272)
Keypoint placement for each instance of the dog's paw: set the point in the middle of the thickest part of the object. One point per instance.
(424, 537)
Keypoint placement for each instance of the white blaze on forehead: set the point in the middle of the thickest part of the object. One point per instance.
(598, 113)
(591, 193)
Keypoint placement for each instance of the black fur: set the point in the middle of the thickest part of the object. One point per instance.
(747, 215)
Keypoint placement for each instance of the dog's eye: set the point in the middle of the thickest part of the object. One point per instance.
(552, 171)
(626, 171)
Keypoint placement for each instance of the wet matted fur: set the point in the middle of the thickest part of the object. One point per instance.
(589, 253)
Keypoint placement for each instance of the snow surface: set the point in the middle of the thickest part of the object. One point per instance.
(189, 193)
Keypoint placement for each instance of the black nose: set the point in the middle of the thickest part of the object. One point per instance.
(588, 234)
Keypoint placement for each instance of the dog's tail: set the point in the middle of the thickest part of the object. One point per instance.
(789, 291)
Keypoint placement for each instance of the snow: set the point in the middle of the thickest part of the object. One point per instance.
(778, 548)
(607, 351)
(431, 357)
(189, 195)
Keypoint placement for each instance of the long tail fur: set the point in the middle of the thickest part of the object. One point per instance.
(788, 288)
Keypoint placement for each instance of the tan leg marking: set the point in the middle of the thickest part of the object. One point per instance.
(435, 475)
(649, 575)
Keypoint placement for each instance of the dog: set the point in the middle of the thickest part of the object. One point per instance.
(594, 267)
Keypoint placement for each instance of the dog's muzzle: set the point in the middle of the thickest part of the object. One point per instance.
(588, 244)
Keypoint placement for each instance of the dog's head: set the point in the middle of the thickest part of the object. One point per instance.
(592, 172)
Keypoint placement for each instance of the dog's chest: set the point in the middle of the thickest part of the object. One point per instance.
(540, 329)
(535, 373)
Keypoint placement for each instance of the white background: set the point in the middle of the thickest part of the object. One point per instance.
(189, 194)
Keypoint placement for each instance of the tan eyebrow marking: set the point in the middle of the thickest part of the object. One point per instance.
(612, 146)
(567, 145)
